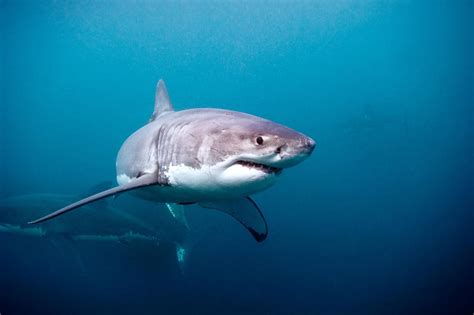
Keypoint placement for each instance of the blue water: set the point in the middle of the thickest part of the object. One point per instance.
(378, 220)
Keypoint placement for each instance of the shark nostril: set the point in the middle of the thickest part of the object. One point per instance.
(280, 148)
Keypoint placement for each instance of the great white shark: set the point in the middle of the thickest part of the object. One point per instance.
(213, 157)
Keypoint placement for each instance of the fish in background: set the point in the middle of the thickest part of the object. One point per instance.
(102, 222)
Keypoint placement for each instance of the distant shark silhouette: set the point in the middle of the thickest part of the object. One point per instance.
(213, 157)
(103, 223)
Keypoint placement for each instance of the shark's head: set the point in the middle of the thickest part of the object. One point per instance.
(258, 150)
(241, 153)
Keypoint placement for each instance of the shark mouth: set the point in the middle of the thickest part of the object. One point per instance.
(261, 167)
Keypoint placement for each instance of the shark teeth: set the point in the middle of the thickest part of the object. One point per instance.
(264, 168)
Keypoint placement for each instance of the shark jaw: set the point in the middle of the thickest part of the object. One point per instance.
(237, 176)
(261, 167)
(231, 178)
(270, 164)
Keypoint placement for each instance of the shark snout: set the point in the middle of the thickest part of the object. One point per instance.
(308, 144)
(303, 145)
(295, 151)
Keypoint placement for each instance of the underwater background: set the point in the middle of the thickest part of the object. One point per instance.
(379, 220)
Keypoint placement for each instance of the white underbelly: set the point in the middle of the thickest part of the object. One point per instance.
(208, 183)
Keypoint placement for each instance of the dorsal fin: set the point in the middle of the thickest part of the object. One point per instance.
(162, 101)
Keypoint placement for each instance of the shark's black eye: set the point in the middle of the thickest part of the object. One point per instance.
(259, 140)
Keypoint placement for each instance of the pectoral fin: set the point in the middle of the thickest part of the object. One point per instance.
(246, 211)
(145, 180)
(177, 211)
(96, 189)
